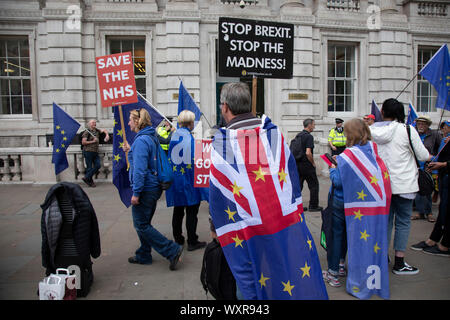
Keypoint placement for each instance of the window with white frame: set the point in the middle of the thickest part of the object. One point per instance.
(137, 49)
(15, 82)
(426, 94)
(341, 77)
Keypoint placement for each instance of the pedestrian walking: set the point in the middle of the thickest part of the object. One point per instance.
(146, 192)
(306, 166)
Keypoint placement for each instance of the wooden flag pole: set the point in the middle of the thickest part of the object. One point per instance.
(254, 92)
(123, 133)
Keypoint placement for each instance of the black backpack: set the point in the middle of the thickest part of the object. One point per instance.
(296, 147)
(216, 276)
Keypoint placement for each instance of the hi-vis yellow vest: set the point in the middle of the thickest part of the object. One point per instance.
(163, 133)
(336, 138)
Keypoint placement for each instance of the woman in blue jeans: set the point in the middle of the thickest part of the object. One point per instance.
(146, 192)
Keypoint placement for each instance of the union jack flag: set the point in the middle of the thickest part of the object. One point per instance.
(256, 207)
(367, 197)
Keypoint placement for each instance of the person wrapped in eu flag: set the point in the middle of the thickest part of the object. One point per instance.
(366, 199)
(256, 207)
(182, 195)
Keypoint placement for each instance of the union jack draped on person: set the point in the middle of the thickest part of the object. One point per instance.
(367, 197)
(256, 207)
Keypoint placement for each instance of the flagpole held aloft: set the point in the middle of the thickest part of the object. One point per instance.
(407, 85)
(122, 124)
(254, 92)
(154, 108)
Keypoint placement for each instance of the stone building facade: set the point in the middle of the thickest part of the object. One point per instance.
(346, 54)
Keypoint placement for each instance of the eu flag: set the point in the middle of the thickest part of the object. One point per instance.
(437, 72)
(257, 210)
(412, 115)
(120, 166)
(64, 130)
(376, 112)
(367, 197)
(185, 102)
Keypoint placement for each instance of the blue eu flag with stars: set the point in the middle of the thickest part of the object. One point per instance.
(64, 130)
(185, 102)
(437, 72)
(120, 167)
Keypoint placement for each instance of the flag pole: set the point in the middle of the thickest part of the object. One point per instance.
(155, 108)
(124, 133)
(254, 91)
(407, 85)
(442, 113)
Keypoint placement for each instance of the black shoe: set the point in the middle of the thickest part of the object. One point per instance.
(434, 250)
(315, 209)
(405, 270)
(420, 246)
(86, 181)
(135, 261)
(176, 259)
(198, 245)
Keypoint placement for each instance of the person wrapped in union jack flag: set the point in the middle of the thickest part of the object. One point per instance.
(256, 206)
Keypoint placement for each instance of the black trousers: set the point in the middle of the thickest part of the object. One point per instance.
(191, 224)
(338, 151)
(307, 172)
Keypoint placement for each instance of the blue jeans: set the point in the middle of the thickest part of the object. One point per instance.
(400, 211)
(338, 245)
(423, 204)
(92, 161)
(149, 236)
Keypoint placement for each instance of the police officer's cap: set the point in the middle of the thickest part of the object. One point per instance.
(339, 120)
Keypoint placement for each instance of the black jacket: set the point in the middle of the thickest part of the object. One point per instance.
(85, 229)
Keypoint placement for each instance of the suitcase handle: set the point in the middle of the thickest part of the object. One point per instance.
(62, 269)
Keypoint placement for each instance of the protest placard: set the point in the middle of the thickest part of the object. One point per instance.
(255, 48)
(202, 162)
(116, 81)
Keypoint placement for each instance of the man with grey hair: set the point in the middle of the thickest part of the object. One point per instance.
(305, 163)
(235, 104)
(90, 141)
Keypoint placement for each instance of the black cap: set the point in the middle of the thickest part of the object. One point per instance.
(339, 120)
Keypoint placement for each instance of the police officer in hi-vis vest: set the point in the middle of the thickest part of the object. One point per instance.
(164, 132)
(336, 138)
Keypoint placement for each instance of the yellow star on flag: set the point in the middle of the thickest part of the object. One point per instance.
(189, 166)
(310, 243)
(386, 175)
(121, 145)
(120, 133)
(364, 235)
(64, 138)
(358, 214)
(236, 189)
(114, 122)
(174, 169)
(58, 127)
(288, 287)
(62, 132)
(238, 242)
(117, 157)
(63, 145)
(376, 248)
(373, 180)
(282, 175)
(305, 270)
(301, 218)
(361, 195)
(230, 214)
(355, 289)
(263, 280)
(260, 174)
(182, 170)
(57, 150)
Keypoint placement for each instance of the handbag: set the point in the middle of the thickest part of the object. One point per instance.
(425, 180)
(52, 288)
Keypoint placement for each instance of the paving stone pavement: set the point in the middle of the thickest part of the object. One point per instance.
(116, 279)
